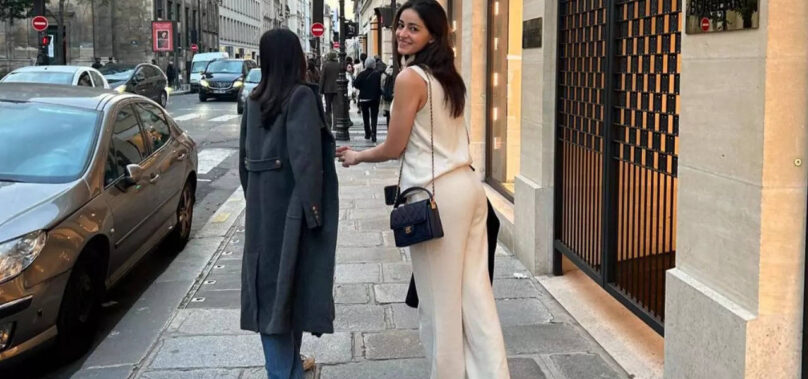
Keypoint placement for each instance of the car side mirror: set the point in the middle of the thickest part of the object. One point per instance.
(134, 174)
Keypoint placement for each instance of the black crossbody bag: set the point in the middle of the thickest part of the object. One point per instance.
(419, 221)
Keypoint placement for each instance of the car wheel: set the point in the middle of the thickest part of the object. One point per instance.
(163, 99)
(79, 311)
(202, 97)
(185, 216)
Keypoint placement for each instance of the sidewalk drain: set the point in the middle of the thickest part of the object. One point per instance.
(198, 300)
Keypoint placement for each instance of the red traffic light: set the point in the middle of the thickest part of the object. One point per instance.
(45, 41)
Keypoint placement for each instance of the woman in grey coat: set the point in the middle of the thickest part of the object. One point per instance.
(286, 165)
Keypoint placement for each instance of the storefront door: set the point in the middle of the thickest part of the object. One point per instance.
(617, 146)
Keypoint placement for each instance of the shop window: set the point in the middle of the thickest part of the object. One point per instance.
(504, 97)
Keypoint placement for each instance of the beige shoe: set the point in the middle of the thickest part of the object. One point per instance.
(308, 362)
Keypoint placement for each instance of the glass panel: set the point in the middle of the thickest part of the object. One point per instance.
(154, 125)
(127, 139)
(504, 92)
(53, 146)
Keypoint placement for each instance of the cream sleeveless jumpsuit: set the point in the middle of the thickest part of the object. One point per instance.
(459, 325)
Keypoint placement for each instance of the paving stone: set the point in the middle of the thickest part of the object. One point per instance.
(207, 322)
(359, 239)
(506, 266)
(526, 368)
(397, 272)
(390, 292)
(389, 369)
(261, 373)
(209, 352)
(347, 226)
(584, 366)
(103, 372)
(378, 224)
(393, 344)
(514, 312)
(357, 273)
(376, 203)
(378, 212)
(346, 204)
(196, 374)
(359, 318)
(330, 348)
(404, 317)
(544, 339)
(364, 254)
(351, 293)
(230, 299)
(514, 288)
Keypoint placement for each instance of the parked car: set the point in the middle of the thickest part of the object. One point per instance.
(68, 75)
(198, 64)
(142, 79)
(224, 78)
(92, 183)
(250, 82)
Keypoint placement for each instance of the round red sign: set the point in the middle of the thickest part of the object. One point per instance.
(317, 29)
(194, 47)
(40, 23)
(705, 24)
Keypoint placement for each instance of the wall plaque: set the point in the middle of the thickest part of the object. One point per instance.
(531, 33)
(707, 16)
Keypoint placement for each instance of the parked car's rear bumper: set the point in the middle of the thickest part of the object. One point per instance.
(31, 313)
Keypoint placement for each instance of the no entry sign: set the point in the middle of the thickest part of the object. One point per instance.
(317, 29)
(40, 23)
(705, 24)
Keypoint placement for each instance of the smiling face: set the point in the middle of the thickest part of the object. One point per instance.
(411, 33)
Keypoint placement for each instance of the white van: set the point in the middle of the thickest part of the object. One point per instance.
(198, 64)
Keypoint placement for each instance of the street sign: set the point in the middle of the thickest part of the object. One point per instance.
(317, 29)
(705, 24)
(194, 47)
(40, 23)
(336, 45)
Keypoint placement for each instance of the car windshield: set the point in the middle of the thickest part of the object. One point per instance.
(44, 143)
(48, 77)
(254, 76)
(117, 72)
(228, 67)
(199, 66)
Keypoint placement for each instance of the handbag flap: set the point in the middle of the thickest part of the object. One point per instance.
(409, 214)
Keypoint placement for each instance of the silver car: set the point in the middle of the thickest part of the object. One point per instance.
(69, 75)
(250, 82)
(90, 181)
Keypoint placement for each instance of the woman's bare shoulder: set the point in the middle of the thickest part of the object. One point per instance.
(408, 81)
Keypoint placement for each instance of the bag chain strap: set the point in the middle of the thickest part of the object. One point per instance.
(431, 143)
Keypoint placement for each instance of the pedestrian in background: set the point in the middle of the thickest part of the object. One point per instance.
(171, 75)
(286, 167)
(349, 75)
(459, 325)
(380, 66)
(328, 85)
(369, 83)
(97, 64)
(388, 85)
(312, 73)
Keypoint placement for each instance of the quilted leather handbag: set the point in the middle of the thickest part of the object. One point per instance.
(418, 221)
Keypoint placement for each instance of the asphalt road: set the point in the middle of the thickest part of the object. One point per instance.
(214, 125)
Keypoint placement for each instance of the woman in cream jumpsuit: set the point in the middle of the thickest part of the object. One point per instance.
(459, 325)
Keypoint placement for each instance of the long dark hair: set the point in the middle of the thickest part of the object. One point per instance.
(283, 67)
(436, 56)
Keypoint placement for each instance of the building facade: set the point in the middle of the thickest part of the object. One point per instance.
(240, 27)
(659, 164)
(120, 29)
(375, 34)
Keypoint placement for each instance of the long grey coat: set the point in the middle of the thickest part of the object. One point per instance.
(290, 183)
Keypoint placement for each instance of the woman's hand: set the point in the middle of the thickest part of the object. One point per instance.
(347, 156)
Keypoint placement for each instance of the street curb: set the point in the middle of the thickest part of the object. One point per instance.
(217, 230)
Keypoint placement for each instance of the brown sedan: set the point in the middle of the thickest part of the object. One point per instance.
(90, 181)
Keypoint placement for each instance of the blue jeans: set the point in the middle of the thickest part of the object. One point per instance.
(282, 354)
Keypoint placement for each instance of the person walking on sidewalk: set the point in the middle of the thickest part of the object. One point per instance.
(369, 83)
(286, 167)
(328, 84)
(459, 325)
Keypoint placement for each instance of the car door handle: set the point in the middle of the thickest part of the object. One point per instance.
(154, 178)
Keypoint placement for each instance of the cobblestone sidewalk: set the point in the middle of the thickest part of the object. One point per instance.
(376, 333)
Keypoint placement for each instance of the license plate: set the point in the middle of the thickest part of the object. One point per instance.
(219, 91)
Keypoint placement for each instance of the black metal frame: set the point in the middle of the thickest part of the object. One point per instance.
(614, 149)
(805, 308)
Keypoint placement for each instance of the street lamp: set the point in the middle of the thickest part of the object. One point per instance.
(342, 119)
